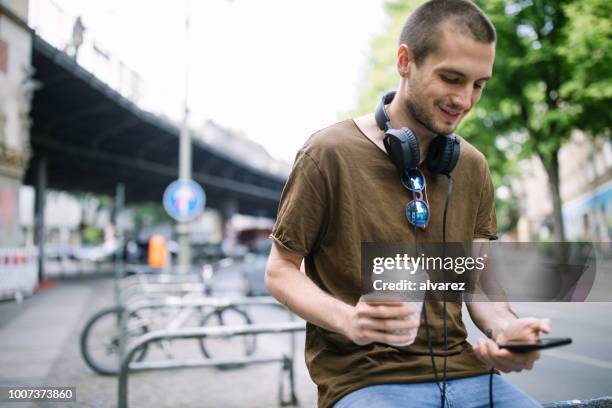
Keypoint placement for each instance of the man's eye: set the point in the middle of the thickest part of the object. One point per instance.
(478, 86)
(450, 80)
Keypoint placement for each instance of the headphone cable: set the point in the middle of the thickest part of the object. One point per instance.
(445, 318)
(449, 193)
(491, 387)
(429, 345)
(431, 355)
(448, 196)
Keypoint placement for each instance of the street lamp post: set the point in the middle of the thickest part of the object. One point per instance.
(183, 228)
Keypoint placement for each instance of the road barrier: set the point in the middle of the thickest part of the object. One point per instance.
(18, 272)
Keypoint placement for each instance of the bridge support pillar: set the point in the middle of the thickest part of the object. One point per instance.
(39, 214)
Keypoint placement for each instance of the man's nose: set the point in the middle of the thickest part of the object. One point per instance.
(463, 99)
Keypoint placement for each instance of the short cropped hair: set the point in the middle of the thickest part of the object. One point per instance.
(422, 28)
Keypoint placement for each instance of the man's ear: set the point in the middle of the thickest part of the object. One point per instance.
(405, 60)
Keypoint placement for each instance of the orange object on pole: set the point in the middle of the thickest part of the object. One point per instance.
(156, 256)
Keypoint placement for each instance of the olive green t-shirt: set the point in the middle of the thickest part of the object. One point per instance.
(343, 190)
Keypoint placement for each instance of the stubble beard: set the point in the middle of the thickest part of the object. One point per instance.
(419, 113)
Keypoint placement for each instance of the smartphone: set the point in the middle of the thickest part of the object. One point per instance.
(541, 344)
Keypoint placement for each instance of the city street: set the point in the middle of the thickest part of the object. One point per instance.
(39, 346)
(142, 176)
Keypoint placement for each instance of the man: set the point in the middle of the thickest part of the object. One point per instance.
(78, 30)
(345, 190)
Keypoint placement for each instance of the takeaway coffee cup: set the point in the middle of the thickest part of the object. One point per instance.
(416, 316)
(412, 297)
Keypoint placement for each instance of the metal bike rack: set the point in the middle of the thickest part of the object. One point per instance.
(213, 302)
(128, 366)
(216, 302)
(154, 284)
(146, 291)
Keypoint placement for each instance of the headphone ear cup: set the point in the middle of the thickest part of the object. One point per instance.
(411, 149)
(402, 147)
(393, 145)
(443, 154)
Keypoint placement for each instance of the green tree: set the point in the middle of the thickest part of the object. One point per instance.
(551, 77)
(381, 75)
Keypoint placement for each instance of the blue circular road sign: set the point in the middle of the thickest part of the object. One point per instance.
(184, 200)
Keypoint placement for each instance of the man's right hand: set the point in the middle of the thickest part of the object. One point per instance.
(388, 322)
(362, 324)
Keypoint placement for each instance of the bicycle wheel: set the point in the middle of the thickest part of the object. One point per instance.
(227, 346)
(100, 339)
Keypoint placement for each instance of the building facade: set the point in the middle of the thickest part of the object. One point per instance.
(585, 166)
(16, 90)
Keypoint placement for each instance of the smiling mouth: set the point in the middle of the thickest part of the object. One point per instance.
(451, 117)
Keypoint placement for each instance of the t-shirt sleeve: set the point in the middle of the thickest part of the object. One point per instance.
(301, 217)
(486, 219)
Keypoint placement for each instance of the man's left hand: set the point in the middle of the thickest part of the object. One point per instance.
(522, 330)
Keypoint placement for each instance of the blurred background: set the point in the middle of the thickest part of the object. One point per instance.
(104, 104)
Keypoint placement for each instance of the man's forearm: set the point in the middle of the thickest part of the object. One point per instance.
(491, 317)
(291, 287)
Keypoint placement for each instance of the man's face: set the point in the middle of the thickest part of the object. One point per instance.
(449, 82)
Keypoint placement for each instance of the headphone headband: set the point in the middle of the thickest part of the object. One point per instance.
(382, 119)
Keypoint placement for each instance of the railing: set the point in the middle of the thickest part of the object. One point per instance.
(54, 24)
(127, 366)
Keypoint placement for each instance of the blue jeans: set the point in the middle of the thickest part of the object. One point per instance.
(470, 392)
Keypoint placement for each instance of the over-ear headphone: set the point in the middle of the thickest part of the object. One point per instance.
(403, 148)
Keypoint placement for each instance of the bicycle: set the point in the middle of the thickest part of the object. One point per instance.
(100, 340)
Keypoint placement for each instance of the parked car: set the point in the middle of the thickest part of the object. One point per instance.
(253, 271)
